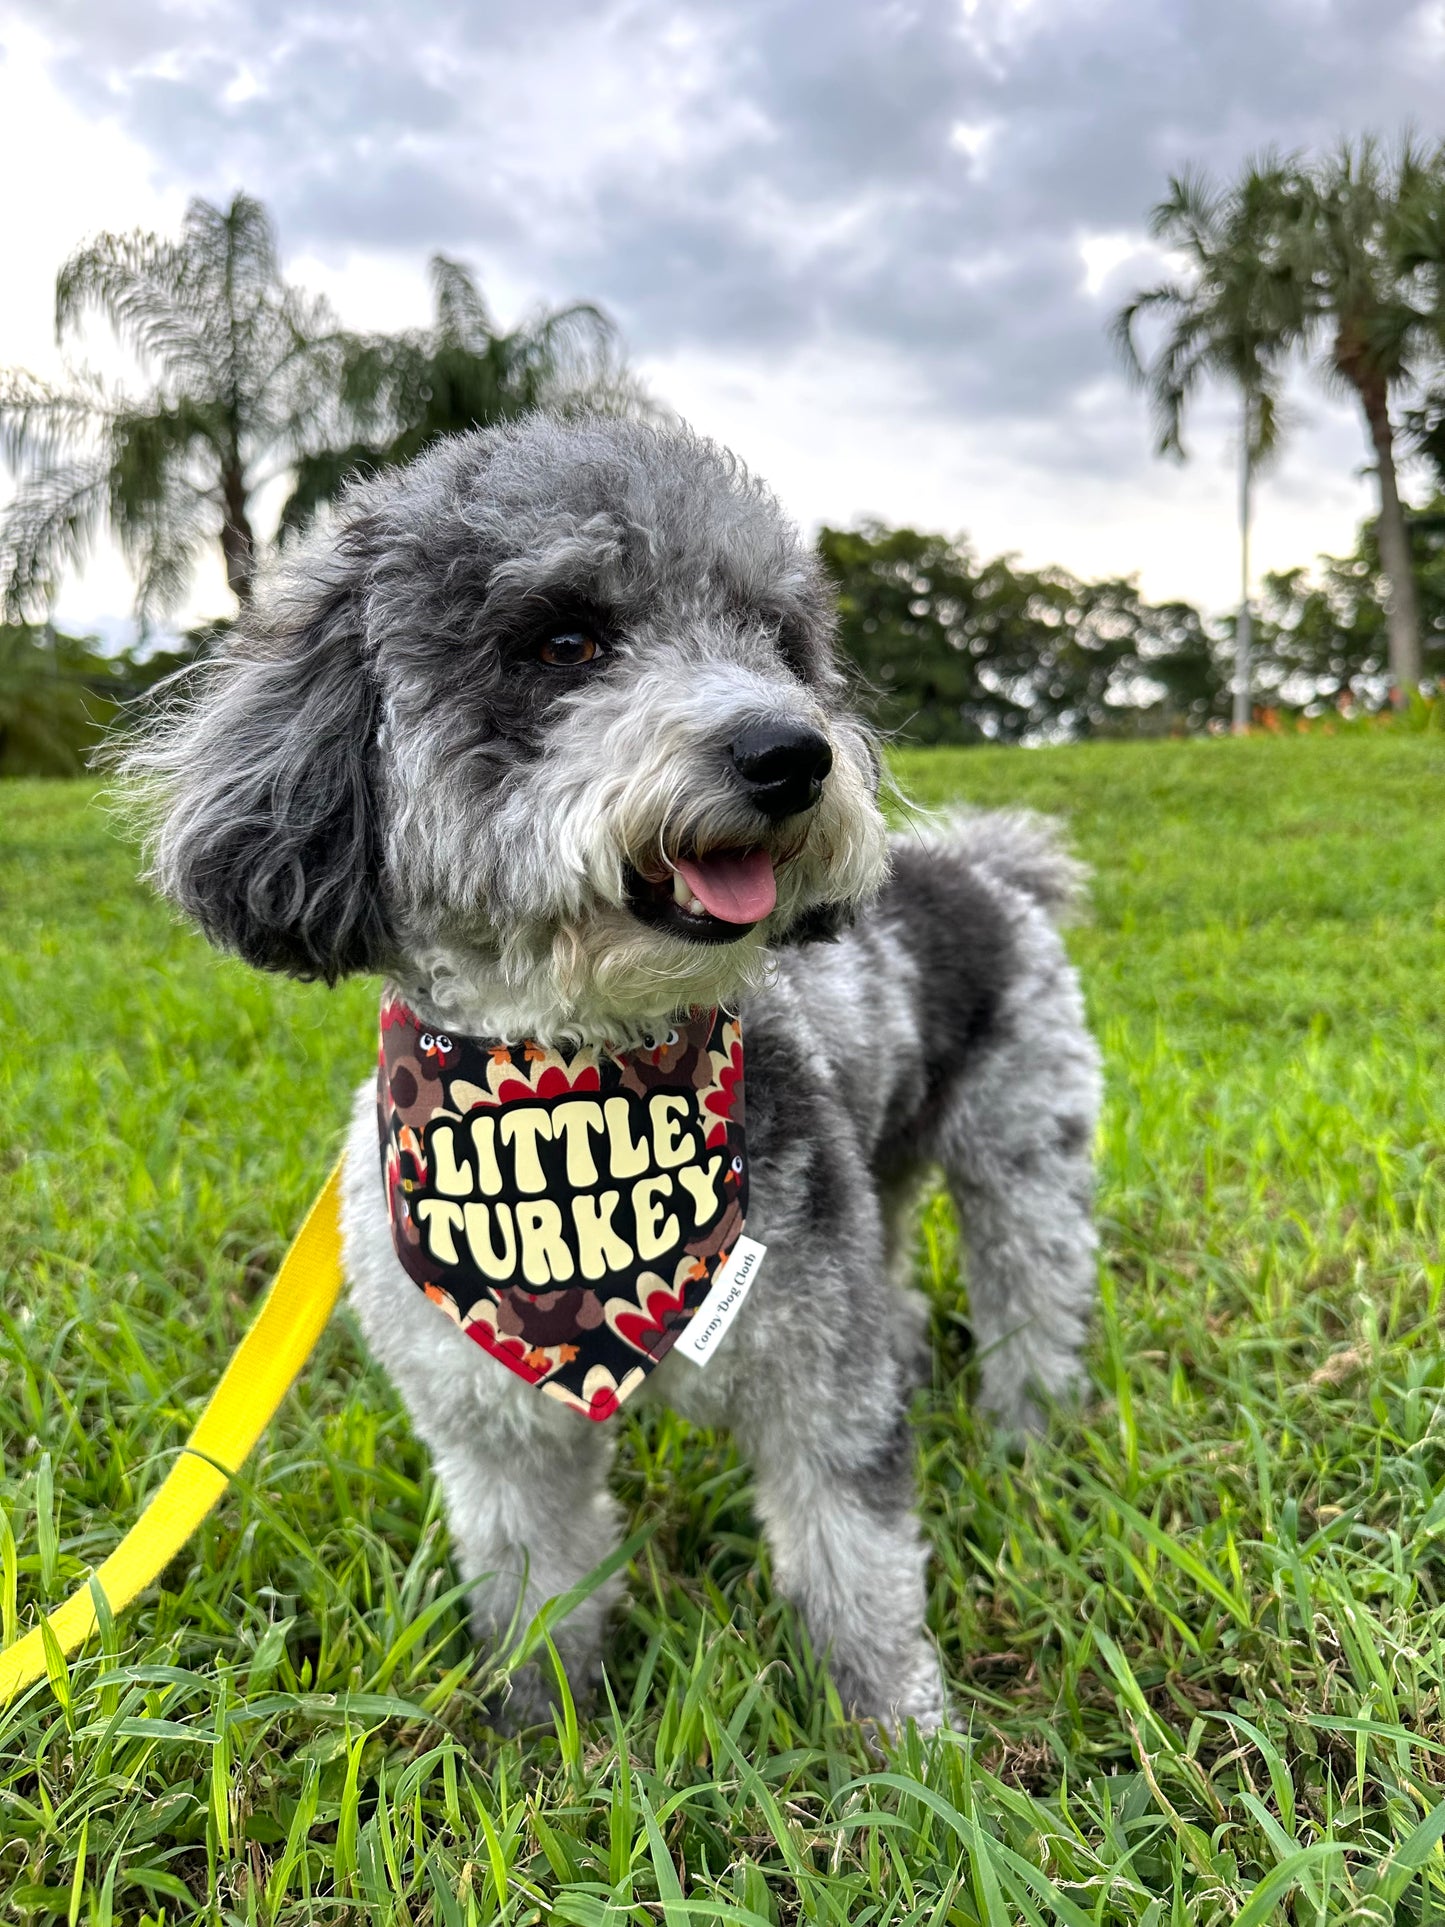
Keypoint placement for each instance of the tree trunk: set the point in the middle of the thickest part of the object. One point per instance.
(1402, 613)
(237, 542)
(1243, 633)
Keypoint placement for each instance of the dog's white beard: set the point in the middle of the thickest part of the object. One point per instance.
(604, 978)
(599, 974)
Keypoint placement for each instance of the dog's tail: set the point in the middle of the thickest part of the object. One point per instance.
(1021, 850)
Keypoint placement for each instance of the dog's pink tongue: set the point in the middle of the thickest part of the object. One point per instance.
(736, 885)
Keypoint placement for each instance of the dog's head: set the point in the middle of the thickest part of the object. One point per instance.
(548, 722)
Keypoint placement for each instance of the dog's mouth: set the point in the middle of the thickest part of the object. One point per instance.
(716, 897)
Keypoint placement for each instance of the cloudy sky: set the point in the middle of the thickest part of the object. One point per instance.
(872, 244)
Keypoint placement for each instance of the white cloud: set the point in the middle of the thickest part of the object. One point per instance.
(974, 139)
(1173, 526)
(1101, 254)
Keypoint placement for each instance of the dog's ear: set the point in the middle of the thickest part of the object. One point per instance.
(257, 779)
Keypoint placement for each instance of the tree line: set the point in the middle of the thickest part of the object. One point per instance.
(956, 649)
(948, 647)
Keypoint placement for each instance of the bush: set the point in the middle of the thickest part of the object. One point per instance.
(59, 695)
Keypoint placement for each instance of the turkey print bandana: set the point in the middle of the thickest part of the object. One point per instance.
(569, 1212)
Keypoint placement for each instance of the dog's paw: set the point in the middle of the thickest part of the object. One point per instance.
(528, 1697)
(924, 1699)
(1018, 1404)
(522, 1698)
(883, 1708)
(1013, 1420)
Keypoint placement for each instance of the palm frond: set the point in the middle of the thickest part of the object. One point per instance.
(163, 551)
(396, 394)
(39, 421)
(1234, 314)
(1169, 296)
(461, 310)
(139, 283)
(47, 528)
(1187, 218)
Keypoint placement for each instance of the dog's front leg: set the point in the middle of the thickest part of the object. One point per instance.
(530, 1517)
(847, 1549)
(524, 1479)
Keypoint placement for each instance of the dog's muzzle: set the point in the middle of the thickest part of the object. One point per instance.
(718, 893)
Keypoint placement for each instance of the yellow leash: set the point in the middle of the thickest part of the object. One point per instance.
(258, 1377)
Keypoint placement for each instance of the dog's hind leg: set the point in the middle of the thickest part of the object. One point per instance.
(1007, 1078)
(1016, 1145)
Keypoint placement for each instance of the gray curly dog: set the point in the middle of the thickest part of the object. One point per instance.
(464, 738)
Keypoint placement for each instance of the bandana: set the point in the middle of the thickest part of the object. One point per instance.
(571, 1213)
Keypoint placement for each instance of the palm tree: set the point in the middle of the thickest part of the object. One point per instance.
(1231, 318)
(1363, 249)
(402, 392)
(243, 374)
(251, 380)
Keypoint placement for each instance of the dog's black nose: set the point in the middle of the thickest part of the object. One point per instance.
(782, 765)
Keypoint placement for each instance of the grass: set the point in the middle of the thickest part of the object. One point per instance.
(1196, 1636)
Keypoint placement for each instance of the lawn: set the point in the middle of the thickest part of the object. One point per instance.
(1195, 1636)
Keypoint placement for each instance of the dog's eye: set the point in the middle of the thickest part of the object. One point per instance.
(569, 649)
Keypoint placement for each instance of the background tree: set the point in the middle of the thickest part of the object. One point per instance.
(251, 381)
(60, 693)
(1234, 317)
(956, 650)
(243, 372)
(404, 391)
(1324, 630)
(1360, 243)
(1424, 428)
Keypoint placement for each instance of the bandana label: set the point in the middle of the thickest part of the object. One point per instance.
(571, 1213)
(704, 1332)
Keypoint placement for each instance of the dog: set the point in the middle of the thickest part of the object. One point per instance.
(484, 734)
